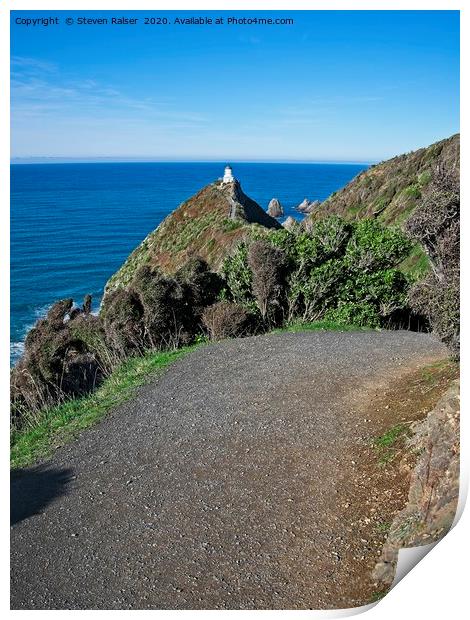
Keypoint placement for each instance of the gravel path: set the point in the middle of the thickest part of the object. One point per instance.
(218, 486)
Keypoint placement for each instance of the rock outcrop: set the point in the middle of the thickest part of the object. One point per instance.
(434, 485)
(307, 206)
(290, 223)
(275, 208)
(207, 225)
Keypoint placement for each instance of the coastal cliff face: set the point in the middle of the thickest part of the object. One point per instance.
(391, 190)
(208, 225)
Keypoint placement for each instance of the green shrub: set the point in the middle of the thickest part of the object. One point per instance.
(385, 289)
(436, 225)
(333, 264)
(320, 290)
(229, 225)
(360, 314)
(412, 191)
(238, 277)
(331, 234)
(424, 178)
(373, 247)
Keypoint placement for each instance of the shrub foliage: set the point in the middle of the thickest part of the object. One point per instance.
(436, 225)
(70, 351)
(226, 319)
(337, 269)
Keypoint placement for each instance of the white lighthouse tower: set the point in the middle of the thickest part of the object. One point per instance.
(228, 176)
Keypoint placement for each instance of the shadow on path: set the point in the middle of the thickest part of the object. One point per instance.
(33, 489)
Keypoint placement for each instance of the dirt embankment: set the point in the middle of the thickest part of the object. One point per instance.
(393, 408)
(434, 485)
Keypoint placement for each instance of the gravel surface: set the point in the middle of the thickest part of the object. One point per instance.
(218, 486)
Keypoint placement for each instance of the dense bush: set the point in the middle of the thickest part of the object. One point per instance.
(436, 225)
(268, 266)
(440, 303)
(65, 355)
(226, 319)
(335, 266)
(358, 314)
(122, 315)
(372, 247)
(159, 311)
(238, 278)
(200, 288)
(69, 352)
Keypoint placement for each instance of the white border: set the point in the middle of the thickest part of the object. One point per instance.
(438, 585)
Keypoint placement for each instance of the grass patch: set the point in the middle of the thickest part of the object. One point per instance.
(391, 442)
(381, 203)
(59, 425)
(384, 527)
(389, 438)
(324, 325)
(416, 264)
(378, 596)
(229, 225)
(424, 178)
(442, 370)
(412, 191)
(354, 210)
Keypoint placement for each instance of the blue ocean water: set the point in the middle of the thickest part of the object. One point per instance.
(72, 225)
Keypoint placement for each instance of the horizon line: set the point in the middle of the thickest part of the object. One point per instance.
(124, 160)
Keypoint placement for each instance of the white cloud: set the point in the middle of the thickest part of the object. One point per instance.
(32, 64)
(38, 89)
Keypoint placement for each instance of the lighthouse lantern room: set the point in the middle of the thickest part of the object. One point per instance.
(228, 176)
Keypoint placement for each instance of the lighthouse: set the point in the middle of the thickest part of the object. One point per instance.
(228, 176)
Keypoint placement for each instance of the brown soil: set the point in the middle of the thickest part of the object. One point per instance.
(383, 473)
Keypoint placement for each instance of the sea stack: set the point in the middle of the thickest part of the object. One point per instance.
(290, 223)
(275, 208)
(307, 206)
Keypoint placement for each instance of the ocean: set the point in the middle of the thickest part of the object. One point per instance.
(72, 225)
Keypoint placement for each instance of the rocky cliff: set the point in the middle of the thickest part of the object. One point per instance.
(392, 189)
(207, 225)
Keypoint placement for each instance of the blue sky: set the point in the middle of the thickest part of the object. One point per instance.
(335, 86)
